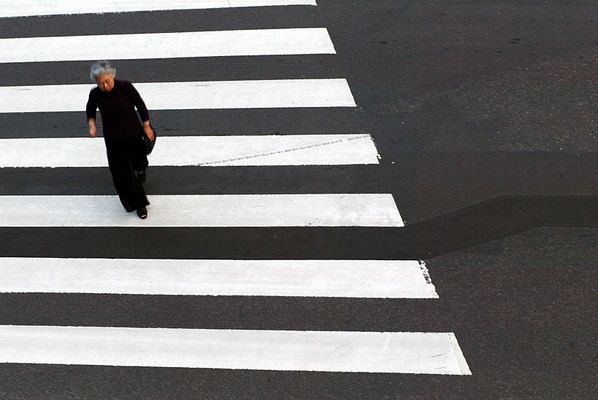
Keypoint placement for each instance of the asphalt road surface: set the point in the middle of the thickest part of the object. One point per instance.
(484, 118)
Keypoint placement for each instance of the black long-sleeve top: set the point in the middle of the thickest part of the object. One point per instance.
(117, 107)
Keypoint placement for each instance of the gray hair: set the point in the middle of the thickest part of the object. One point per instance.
(101, 68)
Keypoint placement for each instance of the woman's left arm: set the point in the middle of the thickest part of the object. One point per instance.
(148, 130)
(141, 109)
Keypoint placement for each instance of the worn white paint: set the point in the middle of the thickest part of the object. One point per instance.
(21, 8)
(263, 210)
(214, 151)
(167, 45)
(309, 278)
(374, 352)
(283, 93)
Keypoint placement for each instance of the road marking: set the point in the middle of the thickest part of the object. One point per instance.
(245, 210)
(167, 45)
(20, 8)
(283, 93)
(197, 151)
(374, 352)
(301, 278)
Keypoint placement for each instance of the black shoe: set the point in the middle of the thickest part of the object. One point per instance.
(142, 212)
(141, 176)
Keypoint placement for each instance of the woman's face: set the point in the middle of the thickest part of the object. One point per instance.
(105, 82)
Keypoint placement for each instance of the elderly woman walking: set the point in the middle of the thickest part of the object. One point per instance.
(117, 100)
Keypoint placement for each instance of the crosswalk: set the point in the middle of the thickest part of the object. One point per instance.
(280, 93)
(210, 277)
(381, 352)
(256, 42)
(165, 347)
(224, 210)
(217, 151)
(19, 8)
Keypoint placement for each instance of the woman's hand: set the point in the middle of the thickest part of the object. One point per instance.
(148, 131)
(92, 128)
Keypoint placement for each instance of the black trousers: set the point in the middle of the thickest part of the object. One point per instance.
(125, 157)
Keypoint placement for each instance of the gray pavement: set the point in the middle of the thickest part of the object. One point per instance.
(484, 115)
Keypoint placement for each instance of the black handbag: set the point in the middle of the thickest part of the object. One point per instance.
(148, 145)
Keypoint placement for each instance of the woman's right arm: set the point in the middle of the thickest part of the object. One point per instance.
(90, 110)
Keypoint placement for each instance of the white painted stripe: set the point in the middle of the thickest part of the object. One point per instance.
(21, 8)
(197, 151)
(375, 352)
(188, 95)
(302, 278)
(270, 210)
(167, 45)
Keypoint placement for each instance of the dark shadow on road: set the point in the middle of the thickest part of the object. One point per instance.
(493, 219)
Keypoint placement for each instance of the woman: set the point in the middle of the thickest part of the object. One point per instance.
(117, 100)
